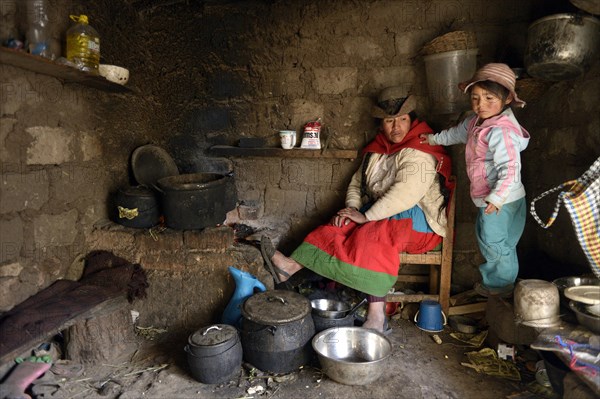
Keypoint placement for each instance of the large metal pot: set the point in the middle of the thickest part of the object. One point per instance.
(196, 200)
(537, 303)
(276, 331)
(562, 46)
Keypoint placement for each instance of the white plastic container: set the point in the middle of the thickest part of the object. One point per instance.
(444, 72)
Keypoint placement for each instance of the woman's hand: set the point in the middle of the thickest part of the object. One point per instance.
(491, 208)
(344, 216)
(423, 137)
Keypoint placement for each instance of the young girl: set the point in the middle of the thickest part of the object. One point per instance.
(494, 140)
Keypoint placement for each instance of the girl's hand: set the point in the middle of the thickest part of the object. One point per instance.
(423, 137)
(346, 215)
(491, 208)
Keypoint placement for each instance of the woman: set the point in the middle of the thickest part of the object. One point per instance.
(395, 203)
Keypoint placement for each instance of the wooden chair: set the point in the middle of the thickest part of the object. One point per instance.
(440, 267)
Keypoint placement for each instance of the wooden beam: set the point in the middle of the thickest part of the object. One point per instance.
(466, 309)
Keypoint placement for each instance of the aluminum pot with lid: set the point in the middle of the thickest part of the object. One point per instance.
(562, 46)
(277, 328)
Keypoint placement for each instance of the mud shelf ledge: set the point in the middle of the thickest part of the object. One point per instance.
(65, 73)
(225, 150)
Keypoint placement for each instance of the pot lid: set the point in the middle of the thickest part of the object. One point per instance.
(213, 335)
(588, 294)
(191, 181)
(137, 191)
(276, 307)
(151, 163)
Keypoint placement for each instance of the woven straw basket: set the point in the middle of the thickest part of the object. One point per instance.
(457, 40)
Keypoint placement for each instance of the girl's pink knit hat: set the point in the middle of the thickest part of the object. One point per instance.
(499, 73)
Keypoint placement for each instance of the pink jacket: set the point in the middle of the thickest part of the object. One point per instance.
(492, 155)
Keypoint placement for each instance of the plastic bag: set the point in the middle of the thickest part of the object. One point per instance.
(311, 136)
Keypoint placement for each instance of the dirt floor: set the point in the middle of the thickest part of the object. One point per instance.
(418, 368)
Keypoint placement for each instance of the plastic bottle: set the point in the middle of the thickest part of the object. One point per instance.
(38, 35)
(83, 45)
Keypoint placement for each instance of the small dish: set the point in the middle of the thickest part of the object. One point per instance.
(114, 73)
(588, 294)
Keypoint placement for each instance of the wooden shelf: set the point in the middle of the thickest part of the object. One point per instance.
(65, 73)
(224, 150)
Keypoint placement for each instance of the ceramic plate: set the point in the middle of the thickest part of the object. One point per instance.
(588, 294)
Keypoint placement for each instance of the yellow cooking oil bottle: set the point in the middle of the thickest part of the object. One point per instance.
(83, 45)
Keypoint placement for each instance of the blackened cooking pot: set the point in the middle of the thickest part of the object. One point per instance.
(277, 328)
(196, 200)
(135, 206)
(214, 353)
(562, 46)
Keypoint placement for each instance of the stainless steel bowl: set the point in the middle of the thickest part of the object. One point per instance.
(352, 355)
(329, 308)
(573, 281)
(585, 318)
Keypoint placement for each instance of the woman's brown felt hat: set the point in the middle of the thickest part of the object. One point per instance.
(394, 93)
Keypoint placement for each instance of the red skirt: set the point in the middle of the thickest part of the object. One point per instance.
(364, 257)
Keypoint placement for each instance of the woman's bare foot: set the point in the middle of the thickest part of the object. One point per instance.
(288, 265)
(375, 316)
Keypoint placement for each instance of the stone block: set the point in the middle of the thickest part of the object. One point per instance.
(335, 80)
(212, 239)
(90, 146)
(23, 189)
(257, 173)
(169, 262)
(55, 230)
(11, 239)
(10, 270)
(354, 113)
(167, 241)
(362, 47)
(285, 203)
(50, 146)
(117, 239)
(303, 111)
(249, 212)
(78, 183)
(380, 78)
(6, 127)
(287, 83)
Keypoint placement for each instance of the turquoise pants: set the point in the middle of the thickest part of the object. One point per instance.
(498, 235)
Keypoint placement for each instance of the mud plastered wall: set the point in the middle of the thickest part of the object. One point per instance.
(63, 149)
(208, 73)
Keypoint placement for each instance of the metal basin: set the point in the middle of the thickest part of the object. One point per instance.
(352, 355)
(573, 281)
(330, 308)
(585, 318)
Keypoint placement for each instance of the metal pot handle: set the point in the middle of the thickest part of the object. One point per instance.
(211, 328)
(277, 298)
